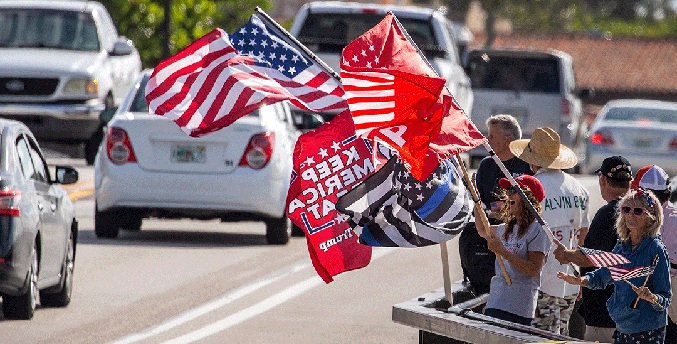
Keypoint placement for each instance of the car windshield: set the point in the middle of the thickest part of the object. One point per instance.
(514, 73)
(139, 103)
(631, 114)
(43, 28)
(331, 32)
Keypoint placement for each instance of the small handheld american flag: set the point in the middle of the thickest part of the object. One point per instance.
(619, 273)
(602, 258)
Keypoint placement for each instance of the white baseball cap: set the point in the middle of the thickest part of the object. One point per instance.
(652, 177)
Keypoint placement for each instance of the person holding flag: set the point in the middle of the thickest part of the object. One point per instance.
(523, 244)
(638, 305)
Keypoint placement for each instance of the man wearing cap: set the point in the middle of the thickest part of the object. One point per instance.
(614, 179)
(654, 178)
(565, 210)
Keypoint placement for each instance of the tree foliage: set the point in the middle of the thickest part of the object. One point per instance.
(142, 20)
(643, 18)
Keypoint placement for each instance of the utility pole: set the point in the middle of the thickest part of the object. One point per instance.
(166, 28)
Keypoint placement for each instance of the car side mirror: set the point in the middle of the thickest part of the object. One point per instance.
(66, 175)
(122, 47)
(586, 93)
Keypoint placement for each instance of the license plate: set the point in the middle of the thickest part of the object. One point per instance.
(188, 153)
(642, 143)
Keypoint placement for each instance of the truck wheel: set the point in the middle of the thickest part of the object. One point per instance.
(23, 306)
(62, 297)
(106, 223)
(278, 231)
(296, 231)
(92, 145)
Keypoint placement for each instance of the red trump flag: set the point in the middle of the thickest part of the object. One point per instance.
(329, 162)
(396, 97)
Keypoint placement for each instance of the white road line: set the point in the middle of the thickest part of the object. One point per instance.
(249, 312)
(215, 304)
(261, 307)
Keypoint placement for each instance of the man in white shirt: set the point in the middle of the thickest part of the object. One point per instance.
(565, 210)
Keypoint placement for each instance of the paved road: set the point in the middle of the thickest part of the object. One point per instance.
(208, 282)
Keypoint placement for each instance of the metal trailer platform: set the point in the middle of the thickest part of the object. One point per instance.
(463, 322)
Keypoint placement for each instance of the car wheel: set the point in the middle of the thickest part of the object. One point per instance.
(278, 231)
(62, 297)
(296, 231)
(132, 220)
(106, 223)
(23, 306)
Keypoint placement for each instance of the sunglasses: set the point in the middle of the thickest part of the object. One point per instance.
(636, 211)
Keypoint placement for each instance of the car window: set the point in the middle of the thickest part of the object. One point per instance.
(514, 73)
(330, 32)
(642, 115)
(42, 28)
(39, 165)
(25, 161)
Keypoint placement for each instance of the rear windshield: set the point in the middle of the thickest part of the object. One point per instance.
(514, 73)
(642, 115)
(139, 103)
(331, 32)
(42, 28)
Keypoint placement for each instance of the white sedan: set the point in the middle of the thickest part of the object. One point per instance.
(147, 167)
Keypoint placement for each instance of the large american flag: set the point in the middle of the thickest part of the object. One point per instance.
(620, 273)
(602, 258)
(219, 78)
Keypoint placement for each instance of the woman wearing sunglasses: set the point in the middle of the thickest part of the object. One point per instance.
(637, 225)
(522, 243)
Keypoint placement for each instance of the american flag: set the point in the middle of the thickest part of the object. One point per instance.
(396, 97)
(219, 78)
(392, 208)
(602, 258)
(619, 273)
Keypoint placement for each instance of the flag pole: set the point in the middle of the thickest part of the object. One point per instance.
(283, 32)
(480, 210)
(655, 261)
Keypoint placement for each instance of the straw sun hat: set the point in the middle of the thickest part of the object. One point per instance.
(544, 149)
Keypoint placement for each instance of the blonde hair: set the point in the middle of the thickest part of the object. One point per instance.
(651, 206)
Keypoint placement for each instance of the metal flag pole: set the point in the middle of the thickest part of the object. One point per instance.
(283, 32)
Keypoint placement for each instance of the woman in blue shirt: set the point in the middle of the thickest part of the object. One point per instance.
(637, 225)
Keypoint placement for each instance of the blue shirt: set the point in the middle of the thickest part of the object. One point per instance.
(647, 316)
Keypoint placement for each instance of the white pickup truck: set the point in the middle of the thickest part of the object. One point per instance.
(327, 27)
(62, 64)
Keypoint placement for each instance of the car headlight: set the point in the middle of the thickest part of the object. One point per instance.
(82, 86)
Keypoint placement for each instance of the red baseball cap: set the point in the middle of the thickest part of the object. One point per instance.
(525, 180)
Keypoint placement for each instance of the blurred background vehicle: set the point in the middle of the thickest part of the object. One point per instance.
(38, 230)
(148, 167)
(63, 69)
(642, 131)
(536, 87)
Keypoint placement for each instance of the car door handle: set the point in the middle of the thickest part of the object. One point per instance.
(52, 207)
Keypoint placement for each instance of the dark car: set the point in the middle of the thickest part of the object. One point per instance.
(38, 231)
